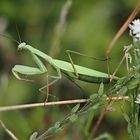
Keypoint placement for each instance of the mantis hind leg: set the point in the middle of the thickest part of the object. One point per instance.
(77, 85)
(72, 63)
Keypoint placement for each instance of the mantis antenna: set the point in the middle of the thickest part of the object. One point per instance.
(6, 36)
(18, 33)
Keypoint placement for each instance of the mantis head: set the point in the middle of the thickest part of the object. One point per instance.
(22, 46)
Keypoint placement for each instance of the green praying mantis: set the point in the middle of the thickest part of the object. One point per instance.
(71, 70)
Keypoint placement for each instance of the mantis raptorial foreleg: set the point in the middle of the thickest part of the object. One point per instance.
(29, 71)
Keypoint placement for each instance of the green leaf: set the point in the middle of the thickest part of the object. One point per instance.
(133, 84)
(95, 107)
(93, 96)
(126, 117)
(121, 80)
(75, 108)
(103, 99)
(57, 124)
(101, 89)
(33, 136)
(122, 91)
(88, 123)
(73, 117)
(104, 136)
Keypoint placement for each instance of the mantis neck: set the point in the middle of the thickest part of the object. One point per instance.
(39, 53)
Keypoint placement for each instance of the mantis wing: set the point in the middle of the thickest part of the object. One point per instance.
(85, 74)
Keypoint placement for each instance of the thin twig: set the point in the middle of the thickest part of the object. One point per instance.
(25, 106)
(117, 68)
(60, 28)
(94, 130)
(123, 28)
(8, 131)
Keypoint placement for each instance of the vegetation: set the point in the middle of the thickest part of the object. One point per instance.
(101, 111)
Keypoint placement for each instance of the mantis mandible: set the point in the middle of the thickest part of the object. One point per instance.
(69, 69)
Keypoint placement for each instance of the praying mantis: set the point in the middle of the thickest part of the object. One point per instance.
(71, 70)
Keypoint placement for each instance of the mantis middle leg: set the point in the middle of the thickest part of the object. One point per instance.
(56, 78)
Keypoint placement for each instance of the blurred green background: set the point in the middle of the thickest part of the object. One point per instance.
(90, 26)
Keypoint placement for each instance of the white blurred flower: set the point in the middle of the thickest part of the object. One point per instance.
(135, 28)
(138, 99)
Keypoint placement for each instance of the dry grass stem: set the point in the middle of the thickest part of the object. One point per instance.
(25, 106)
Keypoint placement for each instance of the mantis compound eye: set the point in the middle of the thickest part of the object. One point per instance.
(21, 46)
